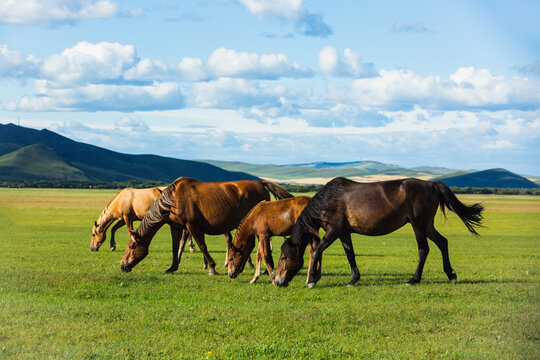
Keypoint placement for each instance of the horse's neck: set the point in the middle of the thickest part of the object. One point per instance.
(243, 234)
(147, 230)
(105, 220)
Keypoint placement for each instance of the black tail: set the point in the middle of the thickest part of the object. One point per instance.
(276, 190)
(471, 215)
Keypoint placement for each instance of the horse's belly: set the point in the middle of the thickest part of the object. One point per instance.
(377, 227)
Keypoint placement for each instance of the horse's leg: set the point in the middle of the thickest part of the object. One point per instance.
(258, 266)
(442, 244)
(190, 243)
(423, 251)
(199, 238)
(311, 246)
(116, 226)
(348, 246)
(228, 238)
(267, 256)
(178, 242)
(326, 241)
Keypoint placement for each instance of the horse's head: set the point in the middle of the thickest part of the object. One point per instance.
(135, 252)
(98, 237)
(291, 261)
(237, 258)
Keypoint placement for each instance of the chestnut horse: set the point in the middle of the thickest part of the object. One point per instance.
(200, 208)
(266, 219)
(344, 207)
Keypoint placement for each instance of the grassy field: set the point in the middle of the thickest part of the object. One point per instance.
(59, 300)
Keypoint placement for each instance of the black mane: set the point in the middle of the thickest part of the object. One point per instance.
(309, 220)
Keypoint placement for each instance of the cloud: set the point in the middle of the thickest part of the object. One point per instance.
(51, 13)
(131, 124)
(102, 97)
(230, 63)
(468, 88)
(331, 63)
(305, 22)
(229, 93)
(14, 64)
(530, 69)
(409, 26)
(89, 63)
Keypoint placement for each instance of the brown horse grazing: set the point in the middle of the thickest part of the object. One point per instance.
(344, 207)
(201, 208)
(126, 207)
(266, 219)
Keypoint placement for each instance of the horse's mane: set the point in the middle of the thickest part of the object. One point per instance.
(325, 200)
(159, 211)
(240, 227)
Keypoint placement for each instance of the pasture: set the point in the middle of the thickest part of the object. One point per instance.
(60, 300)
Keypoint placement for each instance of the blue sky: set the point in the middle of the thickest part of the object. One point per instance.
(440, 83)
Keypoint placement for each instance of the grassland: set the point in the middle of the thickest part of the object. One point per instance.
(59, 300)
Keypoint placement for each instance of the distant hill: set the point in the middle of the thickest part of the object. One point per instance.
(495, 178)
(28, 154)
(329, 170)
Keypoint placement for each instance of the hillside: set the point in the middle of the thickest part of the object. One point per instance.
(93, 163)
(324, 171)
(37, 162)
(495, 178)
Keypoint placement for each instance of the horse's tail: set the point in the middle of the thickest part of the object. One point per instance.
(471, 215)
(276, 190)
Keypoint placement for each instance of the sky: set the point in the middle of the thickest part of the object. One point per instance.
(453, 84)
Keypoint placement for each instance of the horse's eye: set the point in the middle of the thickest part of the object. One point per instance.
(284, 258)
(132, 246)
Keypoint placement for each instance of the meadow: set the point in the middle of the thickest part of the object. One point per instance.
(60, 300)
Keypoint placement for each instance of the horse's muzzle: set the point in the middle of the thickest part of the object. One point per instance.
(280, 281)
(125, 267)
(233, 274)
(94, 248)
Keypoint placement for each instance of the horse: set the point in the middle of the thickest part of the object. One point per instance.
(266, 219)
(126, 207)
(344, 206)
(200, 208)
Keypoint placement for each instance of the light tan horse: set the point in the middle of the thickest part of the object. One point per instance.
(201, 208)
(266, 219)
(127, 206)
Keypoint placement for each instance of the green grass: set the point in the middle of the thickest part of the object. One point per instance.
(59, 300)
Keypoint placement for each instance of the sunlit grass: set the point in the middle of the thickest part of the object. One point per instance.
(59, 300)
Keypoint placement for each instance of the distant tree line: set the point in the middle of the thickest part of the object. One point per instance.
(293, 188)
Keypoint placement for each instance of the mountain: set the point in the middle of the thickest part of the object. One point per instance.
(55, 157)
(38, 162)
(495, 178)
(329, 170)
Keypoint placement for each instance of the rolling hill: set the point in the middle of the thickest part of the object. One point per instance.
(494, 178)
(30, 155)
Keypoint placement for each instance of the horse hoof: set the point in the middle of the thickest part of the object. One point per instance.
(310, 285)
(170, 271)
(253, 281)
(453, 281)
(192, 250)
(113, 248)
(212, 272)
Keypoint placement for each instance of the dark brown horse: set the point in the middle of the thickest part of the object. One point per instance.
(201, 208)
(266, 219)
(344, 207)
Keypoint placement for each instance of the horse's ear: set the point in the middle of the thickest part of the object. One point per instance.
(95, 223)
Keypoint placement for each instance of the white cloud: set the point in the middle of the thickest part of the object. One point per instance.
(288, 9)
(230, 63)
(331, 63)
(306, 23)
(54, 12)
(147, 70)
(467, 88)
(230, 93)
(89, 63)
(409, 26)
(14, 64)
(102, 97)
